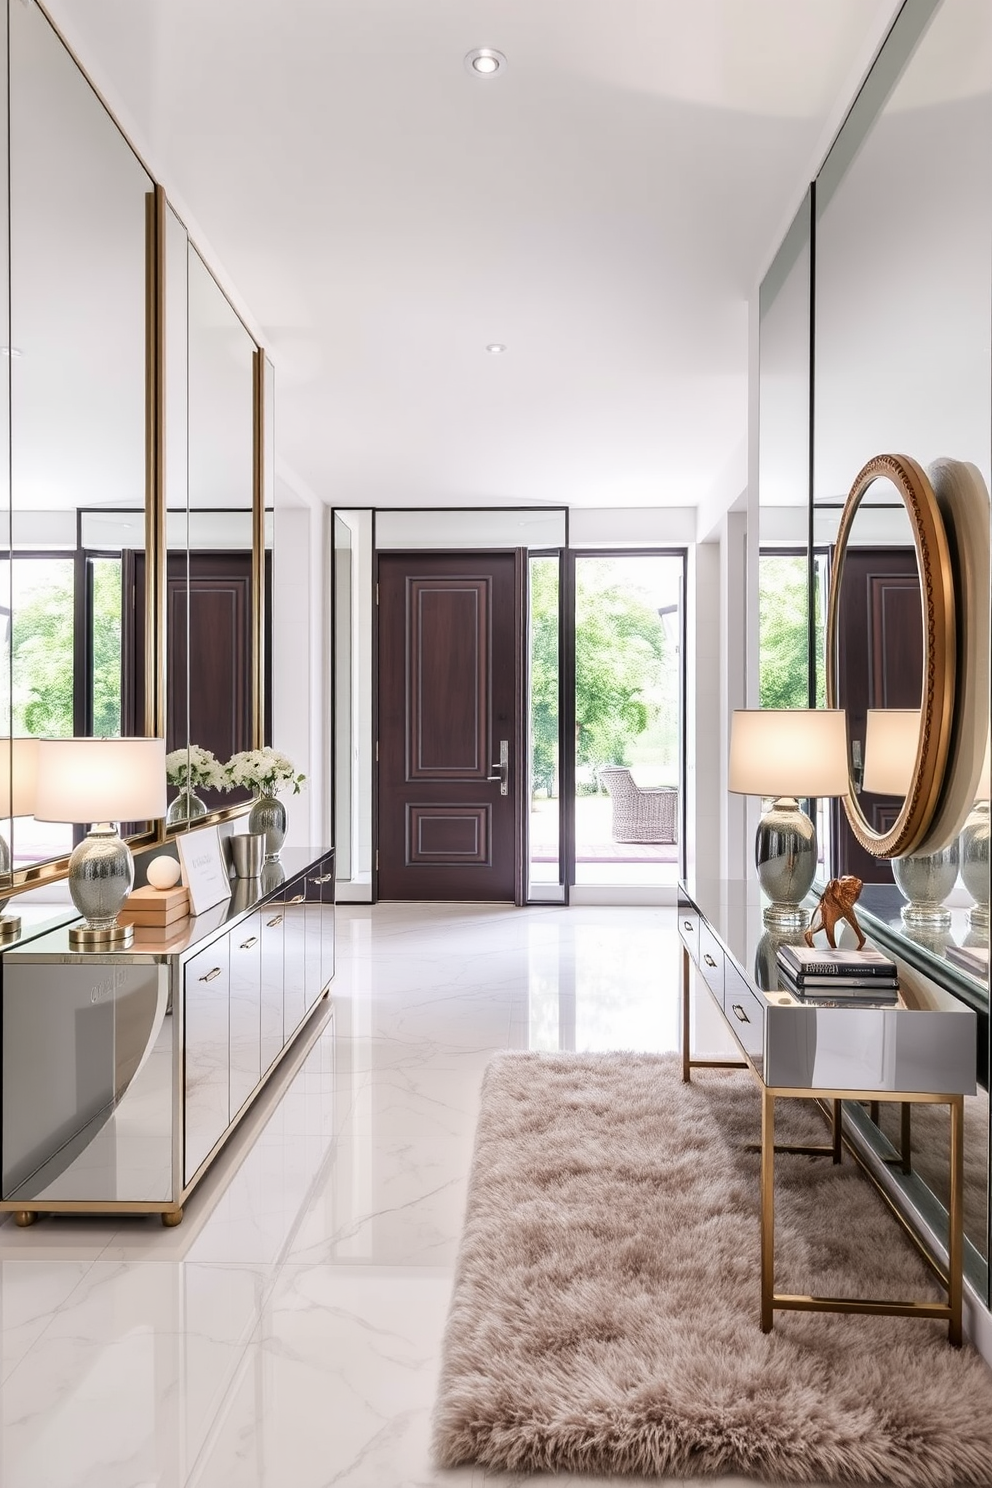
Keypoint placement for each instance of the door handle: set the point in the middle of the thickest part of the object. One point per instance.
(739, 1013)
(503, 766)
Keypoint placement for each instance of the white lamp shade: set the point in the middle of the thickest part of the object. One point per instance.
(789, 752)
(18, 776)
(892, 741)
(97, 780)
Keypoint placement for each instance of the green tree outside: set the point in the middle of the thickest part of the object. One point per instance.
(782, 611)
(42, 652)
(623, 669)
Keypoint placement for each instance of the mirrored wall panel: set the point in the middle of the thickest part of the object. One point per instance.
(902, 366)
(76, 358)
(784, 346)
(210, 609)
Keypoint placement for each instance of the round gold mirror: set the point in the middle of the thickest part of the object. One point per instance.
(891, 643)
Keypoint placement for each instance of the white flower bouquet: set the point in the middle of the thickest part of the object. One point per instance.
(264, 770)
(192, 767)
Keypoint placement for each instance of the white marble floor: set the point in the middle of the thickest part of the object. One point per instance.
(287, 1334)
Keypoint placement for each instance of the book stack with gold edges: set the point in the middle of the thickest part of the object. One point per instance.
(155, 908)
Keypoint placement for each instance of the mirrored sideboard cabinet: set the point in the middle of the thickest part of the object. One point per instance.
(125, 1073)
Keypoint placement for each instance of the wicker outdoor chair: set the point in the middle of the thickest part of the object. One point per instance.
(641, 813)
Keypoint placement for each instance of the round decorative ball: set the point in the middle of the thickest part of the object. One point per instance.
(163, 872)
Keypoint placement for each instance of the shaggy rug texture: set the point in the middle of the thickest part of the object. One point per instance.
(605, 1310)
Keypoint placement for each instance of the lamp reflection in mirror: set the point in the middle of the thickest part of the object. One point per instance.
(973, 845)
(892, 739)
(18, 779)
(101, 782)
(787, 753)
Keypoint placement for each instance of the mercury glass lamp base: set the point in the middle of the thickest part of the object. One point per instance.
(974, 847)
(785, 916)
(925, 882)
(785, 858)
(111, 938)
(101, 875)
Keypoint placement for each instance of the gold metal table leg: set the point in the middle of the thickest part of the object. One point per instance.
(767, 1209)
(686, 969)
(955, 1237)
(838, 1132)
(906, 1136)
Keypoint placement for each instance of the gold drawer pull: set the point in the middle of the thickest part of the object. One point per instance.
(298, 899)
(273, 923)
(687, 925)
(739, 1013)
(209, 975)
(324, 878)
(246, 945)
(709, 960)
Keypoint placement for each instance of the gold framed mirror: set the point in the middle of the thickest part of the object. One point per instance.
(909, 821)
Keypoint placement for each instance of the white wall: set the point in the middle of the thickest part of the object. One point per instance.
(297, 657)
(703, 712)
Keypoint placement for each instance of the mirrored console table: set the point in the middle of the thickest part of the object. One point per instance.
(125, 1072)
(921, 1051)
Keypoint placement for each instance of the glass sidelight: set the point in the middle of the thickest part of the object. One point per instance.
(605, 673)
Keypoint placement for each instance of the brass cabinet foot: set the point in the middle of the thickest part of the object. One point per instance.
(25, 1217)
(172, 1218)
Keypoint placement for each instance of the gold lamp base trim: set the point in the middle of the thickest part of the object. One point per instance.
(10, 926)
(115, 937)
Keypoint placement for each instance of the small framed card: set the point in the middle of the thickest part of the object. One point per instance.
(204, 869)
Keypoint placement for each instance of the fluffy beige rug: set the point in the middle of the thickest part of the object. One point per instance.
(605, 1310)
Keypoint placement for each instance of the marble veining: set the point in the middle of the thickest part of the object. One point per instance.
(289, 1331)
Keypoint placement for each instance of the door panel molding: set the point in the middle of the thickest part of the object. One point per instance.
(449, 629)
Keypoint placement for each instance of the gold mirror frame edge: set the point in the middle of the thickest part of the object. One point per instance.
(939, 650)
(155, 638)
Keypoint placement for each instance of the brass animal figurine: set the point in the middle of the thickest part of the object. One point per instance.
(837, 903)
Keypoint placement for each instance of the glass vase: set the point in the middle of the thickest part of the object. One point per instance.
(186, 807)
(268, 816)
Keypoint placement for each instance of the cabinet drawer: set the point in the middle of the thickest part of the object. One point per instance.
(689, 928)
(745, 1012)
(710, 961)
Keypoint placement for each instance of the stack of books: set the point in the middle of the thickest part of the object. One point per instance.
(840, 977)
(155, 908)
(971, 958)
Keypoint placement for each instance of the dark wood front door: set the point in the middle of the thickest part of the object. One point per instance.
(447, 703)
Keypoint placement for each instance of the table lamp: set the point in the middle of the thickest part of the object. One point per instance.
(974, 850)
(787, 753)
(892, 740)
(101, 782)
(18, 777)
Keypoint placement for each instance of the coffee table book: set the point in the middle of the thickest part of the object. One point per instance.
(843, 991)
(970, 958)
(812, 961)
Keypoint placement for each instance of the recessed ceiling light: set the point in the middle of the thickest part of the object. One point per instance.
(495, 347)
(484, 62)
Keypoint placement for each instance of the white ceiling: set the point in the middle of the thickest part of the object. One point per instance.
(605, 209)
